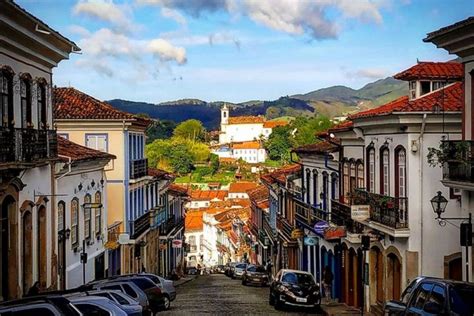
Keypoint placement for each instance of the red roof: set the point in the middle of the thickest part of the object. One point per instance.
(259, 195)
(193, 221)
(280, 175)
(341, 127)
(204, 195)
(246, 120)
(433, 70)
(273, 124)
(247, 145)
(158, 173)
(80, 153)
(72, 104)
(449, 98)
(177, 190)
(239, 187)
(318, 148)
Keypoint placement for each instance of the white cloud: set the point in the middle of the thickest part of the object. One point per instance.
(369, 73)
(108, 11)
(165, 51)
(174, 15)
(79, 30)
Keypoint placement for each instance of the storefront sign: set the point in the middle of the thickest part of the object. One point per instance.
(337, 232)
(124, 239)
(297, 233)
(320, 227)
(177, 243)
(310, 241)
(360, 212)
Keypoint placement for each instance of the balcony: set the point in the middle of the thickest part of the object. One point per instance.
(140, 225)
(138, 168)
(387, 214)
(169, 225)
(341, 216)
(24, 147)
(458, 167)
(308, 213)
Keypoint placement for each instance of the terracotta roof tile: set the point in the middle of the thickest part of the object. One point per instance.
(177, 190)
(72, 104)
(317, 148)
(193, 221)
(273, 124)
(238, 187)
(341, 127)
(205, 195)
(158, 173)
(246, 120)
(227, 160)
(450, 98)
(259, 194)
(247, 145)
(80, 153)
(280, 175)
(433, 70)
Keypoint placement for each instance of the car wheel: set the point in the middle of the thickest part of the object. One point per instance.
(166, 303)
(278, 304)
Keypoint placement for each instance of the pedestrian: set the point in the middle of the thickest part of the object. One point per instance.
(328, 277)
(34, 290)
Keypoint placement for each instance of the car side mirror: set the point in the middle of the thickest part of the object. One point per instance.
(433, 308)
(396, 306)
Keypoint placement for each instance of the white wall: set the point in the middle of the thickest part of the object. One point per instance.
(240, 132)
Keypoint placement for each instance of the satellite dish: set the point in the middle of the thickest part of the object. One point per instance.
(124, 239)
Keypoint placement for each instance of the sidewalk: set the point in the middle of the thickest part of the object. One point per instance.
(184, 280)
(341, 309)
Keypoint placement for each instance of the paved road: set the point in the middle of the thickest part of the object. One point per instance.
(219, 295)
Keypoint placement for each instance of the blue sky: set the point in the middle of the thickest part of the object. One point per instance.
(240, 50)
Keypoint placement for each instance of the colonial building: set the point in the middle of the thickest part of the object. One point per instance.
(29, 50)
(251, 152)
(194, 237)
(81, 182)
(259, 198)
(458, 174)
(238, 190)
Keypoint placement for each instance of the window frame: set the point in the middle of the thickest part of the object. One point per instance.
(41, 104)
(97, 135)
(308, 185)
(315, 186)
(360, 179)
(87, 219)
(7, 111)
(75, 226)
(371, 169)
(26, 102)
(384, 171)
(98, 213)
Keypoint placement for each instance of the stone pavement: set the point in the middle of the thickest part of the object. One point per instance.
(341, 309)
(184, 280)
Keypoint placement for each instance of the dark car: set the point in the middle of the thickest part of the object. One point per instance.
(219, 269)
(229, 269)
(47, 305)
(294, 288)
(255, 274)
(433, 296)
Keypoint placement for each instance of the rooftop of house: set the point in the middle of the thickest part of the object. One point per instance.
(227, 160)
(433, 71)
(259, 196)
(177, 190)
(72, 104)
(246, 120)
(247, 145)
(205, 195)
(193, 221)
(241, 213)
(321, 147)
(280, 174)
(78, 152)
(444, 30)
(447, 99)
(160, 174)
(241, 187)
(273, 124)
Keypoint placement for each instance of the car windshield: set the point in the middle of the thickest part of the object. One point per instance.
(241, 266)
(143, 283)
(297, 278)
(256, 269)
(461, 299)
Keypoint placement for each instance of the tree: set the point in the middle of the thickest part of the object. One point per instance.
(181, 159)
(307, 128)
(190, 129)
(214, 163)
(279, 144)
(160, 129)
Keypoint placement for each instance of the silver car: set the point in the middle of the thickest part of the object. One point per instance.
(128, 304)
(239, 270)
(91, 305)
(126, 287)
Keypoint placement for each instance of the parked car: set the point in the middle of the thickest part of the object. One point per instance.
(128, 288)
(96, 305)
(40, 305)
(128, 304)
(219, 269)
(294, 288)
(230, 269)
(167, 286)
(192, 271)
(238, 270)
(433, 296)
(255, 274)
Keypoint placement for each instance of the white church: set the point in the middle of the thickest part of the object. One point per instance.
(241, 137)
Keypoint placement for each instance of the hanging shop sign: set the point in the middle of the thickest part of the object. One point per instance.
(177, 243)
(320, 227)
(360, 212)
(297, 233)
(336, 232)
(310, 241)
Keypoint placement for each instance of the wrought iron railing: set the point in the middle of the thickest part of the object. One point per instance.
(138, 168)
(27, 145)
(341, 216)
(386, 210)
(140, 225)
(459, 165)
(309, 213)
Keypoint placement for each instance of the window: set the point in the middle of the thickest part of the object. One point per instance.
(61, 207)
(371, 170)
(25, 102)
(420, 297)
(412, 88)
(437, 298)
(384, 171)
(75, 222)
(345, 168)
(41, 105)
(87, 216)
(400, 176)
(334, 186)
(315, 187)
(325, 195)
(192, 244)
(353, 178)
(98, 213)
(98, 142)
(360, 175)
(425, 87)
(308, 185)
(438, 84)
(201, 242)
(89, 309)
(6, 99)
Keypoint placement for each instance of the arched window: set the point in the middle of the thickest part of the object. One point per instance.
(334, 186)
(384, 171)
(98, 213)
(308, 186)
(345, 168)
(360, 174)
(371, 170)
(87, 216)
(75, 222)
(61, 208)
(25, 101)
(41, 102)
(192, 244)
(400, 175)
(325, 192)
(6, 99)
(353, 178)
(315, 186)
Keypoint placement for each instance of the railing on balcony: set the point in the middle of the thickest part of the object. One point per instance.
(266, 225)
(309, 213)
(341, 216)
(140, 225)
(138, 168)
(27, 145)
(460, 161)
(386, 210)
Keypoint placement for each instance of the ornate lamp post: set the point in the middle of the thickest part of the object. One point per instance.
(439, 203)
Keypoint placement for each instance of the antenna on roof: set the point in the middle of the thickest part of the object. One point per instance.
(417, 61)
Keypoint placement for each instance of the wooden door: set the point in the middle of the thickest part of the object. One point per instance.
(455, 269)
(42, 251)
(379, 266)
(27, 255)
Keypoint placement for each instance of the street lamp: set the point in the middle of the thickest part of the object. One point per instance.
(439, 202)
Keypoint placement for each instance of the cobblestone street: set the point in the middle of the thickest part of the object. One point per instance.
(219, 295)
